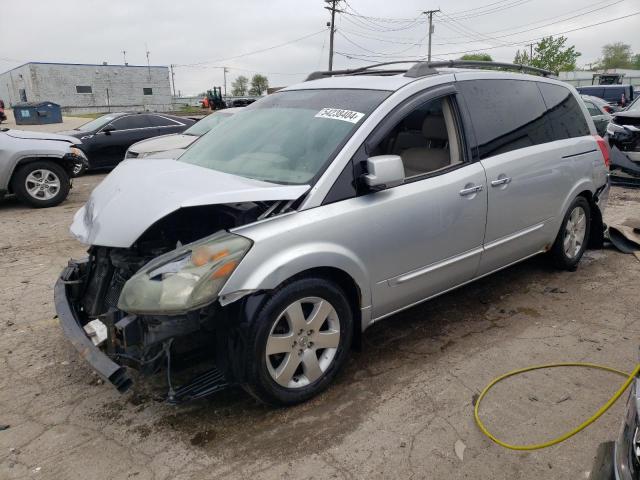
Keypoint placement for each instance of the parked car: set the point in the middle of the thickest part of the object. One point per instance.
(38, 167)
(600, 112)
(242, 102)
(273, 243)
(176, 143)
(620, 460)
(618, 96)
(624, 132)
(106, 139)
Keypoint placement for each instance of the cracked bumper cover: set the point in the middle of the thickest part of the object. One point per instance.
(99, 361)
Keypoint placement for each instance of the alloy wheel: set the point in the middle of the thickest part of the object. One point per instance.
(575, 232)
(42, 184)
(303, 342)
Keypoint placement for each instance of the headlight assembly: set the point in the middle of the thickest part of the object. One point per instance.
(185, 279)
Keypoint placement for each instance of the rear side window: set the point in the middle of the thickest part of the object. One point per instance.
(564, 114)
(593, 110)
(506, 114)
(158, 121)
(131, 121)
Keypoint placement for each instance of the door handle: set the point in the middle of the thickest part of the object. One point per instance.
(501, 181)
(470, 190)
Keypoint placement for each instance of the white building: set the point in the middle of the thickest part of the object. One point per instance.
(83, 88)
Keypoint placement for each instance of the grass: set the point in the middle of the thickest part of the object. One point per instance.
(85, 115)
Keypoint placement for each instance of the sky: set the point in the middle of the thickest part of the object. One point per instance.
(202, 36)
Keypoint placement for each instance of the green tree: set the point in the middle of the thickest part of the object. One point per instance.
(636, 61)
(551, 54)
(522, 58)
(616, 55)
(483, 57)
(259, 85)
(239, 86)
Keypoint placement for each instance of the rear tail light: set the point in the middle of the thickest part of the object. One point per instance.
(607, 109)
(604, 149)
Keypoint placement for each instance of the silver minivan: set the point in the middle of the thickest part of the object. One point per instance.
(279, 237)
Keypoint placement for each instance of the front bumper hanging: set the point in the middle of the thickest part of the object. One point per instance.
(73, 330)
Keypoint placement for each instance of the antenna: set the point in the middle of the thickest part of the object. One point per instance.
(146, 47)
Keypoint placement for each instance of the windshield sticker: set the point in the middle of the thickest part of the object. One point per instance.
(339, 114)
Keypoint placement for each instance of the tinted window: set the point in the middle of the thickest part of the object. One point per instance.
(506, 114)
(593, 110)
(158, 121)
(84, 89)
(147, 91)
(131, 121)
(564, 113)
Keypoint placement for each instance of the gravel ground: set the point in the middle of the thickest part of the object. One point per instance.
(397, 411)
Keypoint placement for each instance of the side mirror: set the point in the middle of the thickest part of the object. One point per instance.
(385, 171)
(108, 129)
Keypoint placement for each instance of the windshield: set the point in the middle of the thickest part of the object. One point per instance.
(287, 137)
(635, 105)
(96, 124)
(207, 123)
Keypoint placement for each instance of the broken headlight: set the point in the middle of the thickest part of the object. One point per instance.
(185, 279)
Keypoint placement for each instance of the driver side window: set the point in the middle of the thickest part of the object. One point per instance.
(426, 139)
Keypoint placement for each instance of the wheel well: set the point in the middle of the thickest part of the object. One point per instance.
(27, 160)
(348, 286)
(596, 233)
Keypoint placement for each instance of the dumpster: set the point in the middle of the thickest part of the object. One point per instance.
(37, 113)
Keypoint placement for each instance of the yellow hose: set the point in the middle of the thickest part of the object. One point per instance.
(563, 437)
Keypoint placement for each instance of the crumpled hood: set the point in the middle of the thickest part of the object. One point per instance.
(27, 134)
(163, 143)
(138, 193)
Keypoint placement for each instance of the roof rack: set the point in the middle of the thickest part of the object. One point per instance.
(421, 68)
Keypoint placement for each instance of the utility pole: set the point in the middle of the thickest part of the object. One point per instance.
(124, 56)
(173, 80)
(332, 26)
(530, 45)
(224, 72)
(430, 14)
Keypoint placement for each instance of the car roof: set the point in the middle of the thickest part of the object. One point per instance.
(394, 80)
(591, 98)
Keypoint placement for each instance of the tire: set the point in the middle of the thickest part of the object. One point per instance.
(573, 237)
(51, 192)
(288, 375)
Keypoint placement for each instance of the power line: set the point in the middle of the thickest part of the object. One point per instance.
(541, 26)
(501, 8)
(519, 42)
(255, 51)
(479, 8)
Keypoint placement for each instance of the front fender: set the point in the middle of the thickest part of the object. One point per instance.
(262, 270)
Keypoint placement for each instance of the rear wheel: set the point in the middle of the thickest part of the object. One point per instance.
(41, 184)
(299, 341)
(573, 236)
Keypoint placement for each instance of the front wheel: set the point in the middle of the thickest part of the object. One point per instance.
(41, 184)
(299, 342)
(573, 236)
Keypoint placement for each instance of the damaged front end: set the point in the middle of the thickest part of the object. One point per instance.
(136, 307)
(623, 133)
